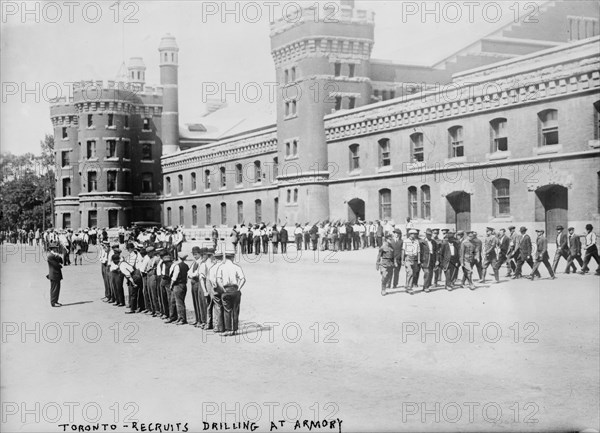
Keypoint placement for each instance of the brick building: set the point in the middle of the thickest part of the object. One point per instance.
(503, 131)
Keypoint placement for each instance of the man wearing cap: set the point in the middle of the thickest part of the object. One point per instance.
(206, 304)
(562, 248)
(134, 282)
(230, 280)
(117, 280)
(134, 259)
(450, 259)
(591, 250)
(397, 246)
(151, 264)
(194, 277)
(178, 290)
(502, 251)
(489, 252)
(437, 271)
(468, 258)
(216, 304)
(54, 273)
(525, 250)
(429, 258)
(478, 254)
(574, 250)
(385, 263)
(165, 283)
(541, 256)
(411, 252)
(513, 251)
(105, 249)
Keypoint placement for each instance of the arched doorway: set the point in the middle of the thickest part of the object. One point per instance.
(554, 200)
(356, 210)
(459, 210)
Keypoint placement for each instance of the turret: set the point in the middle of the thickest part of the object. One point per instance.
(169, 57)
(136, 73)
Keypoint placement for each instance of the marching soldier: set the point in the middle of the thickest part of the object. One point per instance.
(411, 252)
(525, 250)
(489, 252)
(429, 256)
(230, 280)
(541, 256)
(385, 264)
(397, 246)
(478, 254)
(574, 250)
(503, 247)
(468, 259)
(513, 251)
(450, 259)
(562, 248)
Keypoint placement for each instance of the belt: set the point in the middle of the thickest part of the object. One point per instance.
(231, 288)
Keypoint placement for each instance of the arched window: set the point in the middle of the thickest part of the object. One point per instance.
(193, 181)
(240, 212)
(413, 204)
(548, 121)
(257, 172)
(223, 214)
(167, 185)
(257, 211)
(416, 147)
(275, 169)
(289, 195)
(194, 215)
(597, 120)
(354, 157)
(498, 135)
(208, 215)
(223, 177)
(239, 177)
(501, 197)
(295, 195)
(455, 140)
(181, 216)
(206, 179)
(169, 216)
(385, 204)
(180, 182)
(425, 202)
(384, 152)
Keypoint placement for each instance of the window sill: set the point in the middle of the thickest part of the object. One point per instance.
(456, 160)
(112, 158)
(126, 159)
(146, 130)
(411, 166)
(291, 116)
(66, 167)
(498, 155)
(65, 139)
(356, 172)
(594, 144)
(147, 161)
(207, 190)
(239, 185)
(95, 158)
(223, 188)
(545, 150)
(259, 183)
(291, 157)
(291, 205)
(502, 219)
(385, 169)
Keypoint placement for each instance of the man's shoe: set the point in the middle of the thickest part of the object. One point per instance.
(170, 321)
(383, 293)
(129, 312)
(56, 305)
(427, 290)
(180, 322)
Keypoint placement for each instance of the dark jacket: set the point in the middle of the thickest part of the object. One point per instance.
(397, 246)
(575, 245)
(504, 244)
(428, 258)
(54, 267)
(446, 257)
(283, 235)
(525, 245)
(563, 242)
(542, 249)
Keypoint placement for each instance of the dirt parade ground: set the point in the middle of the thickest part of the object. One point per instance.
(319, 349)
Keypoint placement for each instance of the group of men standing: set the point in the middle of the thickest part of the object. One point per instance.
(446, 256)
(157, 282)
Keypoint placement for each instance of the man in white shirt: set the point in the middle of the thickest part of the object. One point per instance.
(230, 279)
(104, 269)
(205, 297)
(194, 276)
(591, 250)
(216, 303)
(411, 253)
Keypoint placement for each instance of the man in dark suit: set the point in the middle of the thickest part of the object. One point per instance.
(397, 247)
(541, 255)
(449, 259)
(429, 258)
(562, 248)
(503, 247)
(283, 238)
(513, 251)
(489, 251)
(54, 274)
(525, 251)
(574, 250)
(468, 258)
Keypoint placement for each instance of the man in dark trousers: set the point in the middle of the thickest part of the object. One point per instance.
(489, 251)
(541, 255)
(283, 238)
(513, 251)
(397, 246)
(574, 250)
(468, 259)
(54, 274)
(562, 248)
(429, 259)
(525, 251)
(450, 259)
(385, 264)
(503, 247)
(230, 280)
(178, 290)
(591, 250)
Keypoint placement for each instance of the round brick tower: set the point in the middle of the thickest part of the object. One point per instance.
(169, 52)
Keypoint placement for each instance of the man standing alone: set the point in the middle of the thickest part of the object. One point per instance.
(54, 274)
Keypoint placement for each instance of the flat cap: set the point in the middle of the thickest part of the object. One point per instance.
(559, 227)
(511, 227)
(571, 228)
(539, 231)
(412, 231)
(398, 231)
(428, 232)
(196, 250)
(460, 232)
(490, 229)
(446, 231)
(523, 229)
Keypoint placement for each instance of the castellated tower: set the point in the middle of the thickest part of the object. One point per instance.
(169, 53)
(322, 64)
(136, 73)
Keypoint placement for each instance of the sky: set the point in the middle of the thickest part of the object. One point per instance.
(47, 44)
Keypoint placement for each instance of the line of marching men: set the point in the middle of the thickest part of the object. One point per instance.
(158, 283)
(436, 256)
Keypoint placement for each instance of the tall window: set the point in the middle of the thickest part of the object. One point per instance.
(126, 150)
(111, 119)
(275, 169)
(295, 195)
(91, 149)
(351, 68)
(92, 181)
(208, 215)
(194, 215)
(548, 127)
(276, 209)
(239, 176)
(169, 216)
(257, 172)
(240, 212)
(66, 221)
(126, 121)
(207, 179)
(287, 76)
(294, 106)
(146, 151)
(416, 147)
(501, 197)
(224, 214)
(384, 152)
(258, 211)
(354, 158)
(425, 202)
(338, 103)
(295, 148)
(180, 183)
(111, 148)
(289, 195)
(66, 187)
(223, 177)
(412, 202)
(65, 158)
(167, 185)
(499, 138)
(597, 119)
(455, 137)
(92, 218)
(193, 182)
(385, 204)
(146, 124)
(293, 73)
(287, 149)
(337, 68)
(111, 180)
(90, 120)
(65, 135)
(181, 216)
(351, 102)
(147, 181)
